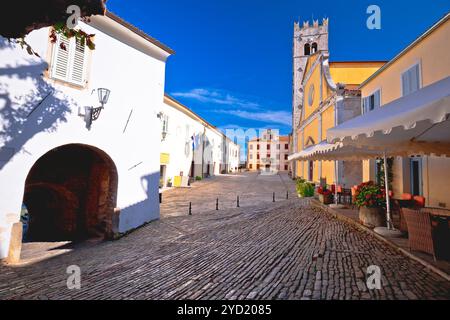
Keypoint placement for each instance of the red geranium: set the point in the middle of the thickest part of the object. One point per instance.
(369, 194)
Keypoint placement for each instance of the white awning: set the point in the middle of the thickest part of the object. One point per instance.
(416, 124)
(335, 151)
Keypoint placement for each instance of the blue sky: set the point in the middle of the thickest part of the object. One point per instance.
(233, 61)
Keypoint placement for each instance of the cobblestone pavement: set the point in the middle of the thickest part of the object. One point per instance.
(252, 189)
(285, 250)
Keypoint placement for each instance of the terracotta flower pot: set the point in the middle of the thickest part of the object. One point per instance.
(372, 217)
(325, 199)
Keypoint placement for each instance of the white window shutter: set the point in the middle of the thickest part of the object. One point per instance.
(69, 65)
(411, 80)
(415, 83)
(377, 99)
(61, 59)
(405, 83)
(78, 63)
(365, 105)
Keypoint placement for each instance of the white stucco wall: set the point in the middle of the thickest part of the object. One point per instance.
(136, 81)
(178, 142)
(178, 145)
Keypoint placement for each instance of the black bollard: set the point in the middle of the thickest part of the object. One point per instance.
(274, 197)
(217, 204)
(238, 204)
(190, 208)
(287, 195)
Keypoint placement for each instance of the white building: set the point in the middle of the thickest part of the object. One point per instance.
(268, 153)
(192, 147)
(77, 182)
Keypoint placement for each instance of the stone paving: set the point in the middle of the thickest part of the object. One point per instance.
(287, 250)
(252, 189)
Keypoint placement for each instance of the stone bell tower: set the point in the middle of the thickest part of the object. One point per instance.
(308, 40)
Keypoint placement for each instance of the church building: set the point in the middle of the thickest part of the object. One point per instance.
(325, 94)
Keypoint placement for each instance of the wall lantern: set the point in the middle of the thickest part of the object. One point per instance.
(92, 114)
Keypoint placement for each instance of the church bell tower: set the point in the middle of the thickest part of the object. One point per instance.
(308, 40)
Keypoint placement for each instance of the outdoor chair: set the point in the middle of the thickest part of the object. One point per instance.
(353, 191)
(407, 196)
(419, 201)
(397, 215)
(420, 231)
(340, 191)
(347, 195)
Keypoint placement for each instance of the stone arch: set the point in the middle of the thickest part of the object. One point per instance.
(314, 48)
(71, 194)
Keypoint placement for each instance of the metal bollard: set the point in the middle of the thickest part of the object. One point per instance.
(190, 208)
(217, 204)
(287, 195)
(238, 204)
(274, 197)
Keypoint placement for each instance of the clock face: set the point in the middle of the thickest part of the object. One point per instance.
(311, 95)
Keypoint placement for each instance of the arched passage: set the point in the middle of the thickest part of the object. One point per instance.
(70, 195)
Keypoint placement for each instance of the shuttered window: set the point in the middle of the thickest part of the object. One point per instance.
(165, 124)
(411, 80)
(371, 102)
(69, 65)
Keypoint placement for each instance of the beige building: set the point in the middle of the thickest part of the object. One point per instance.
(423, 63)
(268, 153)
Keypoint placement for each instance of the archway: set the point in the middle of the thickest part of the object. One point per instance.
(70, 195)
(307, 49)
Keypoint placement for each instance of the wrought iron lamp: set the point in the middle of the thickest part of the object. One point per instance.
(91, 113)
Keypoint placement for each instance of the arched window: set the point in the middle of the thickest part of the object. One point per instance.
(314, 47)
(307, 49)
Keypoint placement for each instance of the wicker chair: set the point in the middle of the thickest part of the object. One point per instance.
(397, 215)
(420, 231)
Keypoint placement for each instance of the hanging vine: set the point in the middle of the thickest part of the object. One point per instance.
(380, 172)
(62, 29)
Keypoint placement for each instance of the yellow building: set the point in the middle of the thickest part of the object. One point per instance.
(325, 94)
(422, 63)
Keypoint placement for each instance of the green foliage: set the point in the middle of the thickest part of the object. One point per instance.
(198, 178)
(80, 35)
(380, 172)
(304, 188)
(370, 195)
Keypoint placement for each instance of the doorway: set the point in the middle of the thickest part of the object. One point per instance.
(416, 176)
(70, 195)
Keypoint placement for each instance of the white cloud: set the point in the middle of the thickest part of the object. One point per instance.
(238, 106)
(279, 117)
(216, 97)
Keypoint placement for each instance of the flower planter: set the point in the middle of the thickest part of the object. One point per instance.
(325, 199)
(372, 217)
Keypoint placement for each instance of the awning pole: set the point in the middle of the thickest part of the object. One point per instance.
(388, 201)
(336, 172)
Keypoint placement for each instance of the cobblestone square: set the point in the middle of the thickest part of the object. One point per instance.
(263, 250)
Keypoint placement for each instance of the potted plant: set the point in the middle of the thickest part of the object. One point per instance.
(371, 200)
(305, 189)
(325, 195)
(169, 183)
